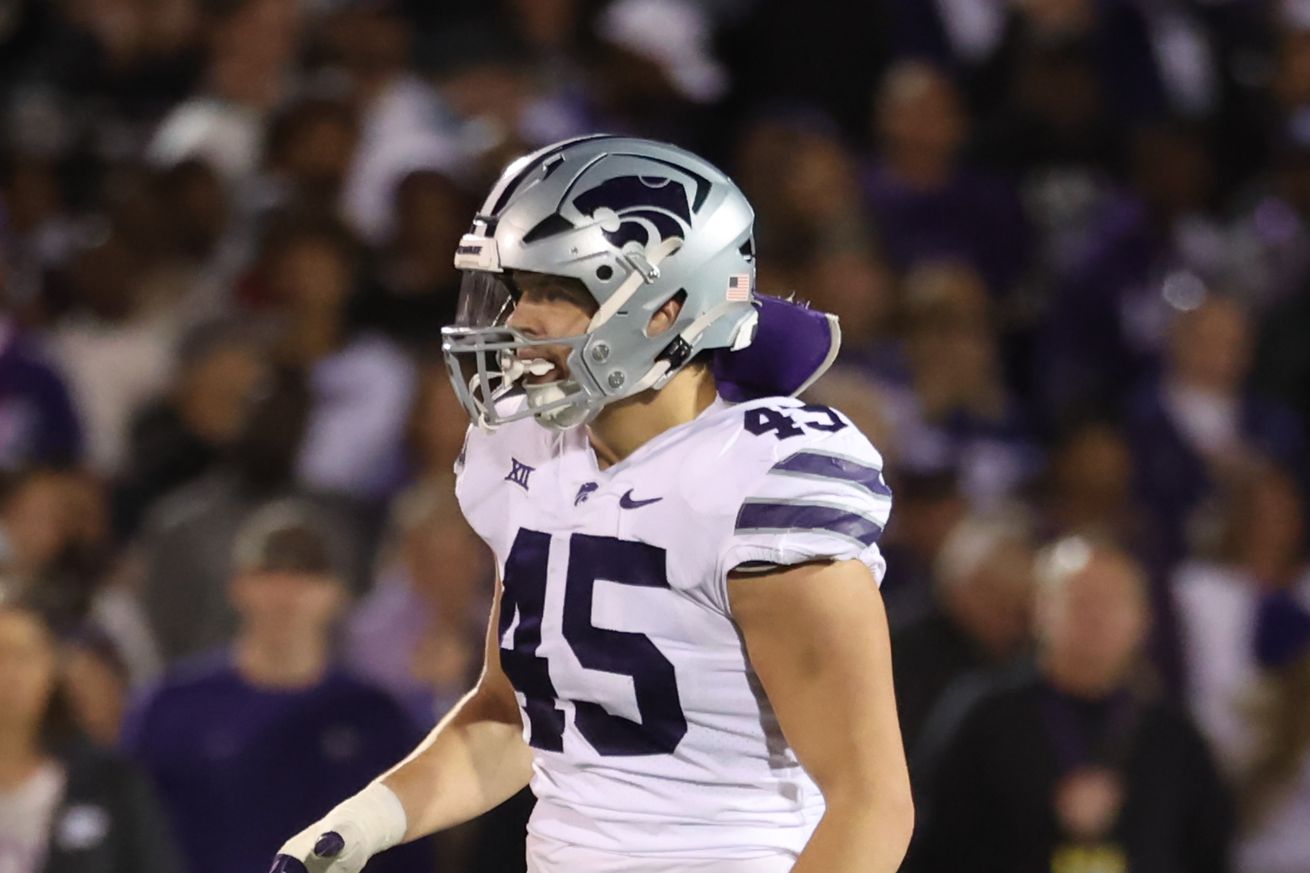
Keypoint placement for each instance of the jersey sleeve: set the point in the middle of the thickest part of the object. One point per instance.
(824, 500)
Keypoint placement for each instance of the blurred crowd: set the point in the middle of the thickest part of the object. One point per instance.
(1069, 243)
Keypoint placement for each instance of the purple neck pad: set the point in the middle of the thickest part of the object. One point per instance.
(793, 347)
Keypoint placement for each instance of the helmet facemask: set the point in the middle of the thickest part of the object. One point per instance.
(482, 353)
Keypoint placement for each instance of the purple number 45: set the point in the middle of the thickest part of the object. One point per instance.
(663, 724)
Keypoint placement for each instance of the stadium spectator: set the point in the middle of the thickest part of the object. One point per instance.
(1088, 490)
(1290, 84)
(1199, 424)
(199, 210)
(950, 33)
(114, 357)
(64, 805)
(948, 405)
(803, 180)
(927, 206)
(1090, 485)
(979, 617)
(419, 633)
(1075, 765)
(1246, 673)
(309, 147)
(855, 284)
(492, 104)
(551, 31)
(360, 384)
(249, 47)
(189, 431)
(182, 558)
(57, 546)
(772, 51)
(1114, 38)
(215, 731)
(417, 285)
(437, 427)
(404, 125)
(1149, 245)
(83, 553)
(206, 249)
(1052, 135)
(653, 68)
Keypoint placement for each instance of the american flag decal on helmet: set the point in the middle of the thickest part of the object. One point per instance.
(739, 288)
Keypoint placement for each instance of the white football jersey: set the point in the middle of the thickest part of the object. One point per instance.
(652, 736)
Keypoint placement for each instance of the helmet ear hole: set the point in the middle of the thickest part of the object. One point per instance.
(604, 272)
(667, 315)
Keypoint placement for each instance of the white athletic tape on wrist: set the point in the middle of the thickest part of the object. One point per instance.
(370, 822)
(378, 814)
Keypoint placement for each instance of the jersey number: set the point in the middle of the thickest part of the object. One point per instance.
(762, 420)
(662, 724)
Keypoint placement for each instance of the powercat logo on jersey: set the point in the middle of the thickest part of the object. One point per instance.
(650, 209)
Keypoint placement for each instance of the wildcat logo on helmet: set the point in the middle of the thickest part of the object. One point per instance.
(649, 209)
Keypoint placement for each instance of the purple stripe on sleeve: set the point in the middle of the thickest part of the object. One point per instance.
(803, 517)
(822, 466)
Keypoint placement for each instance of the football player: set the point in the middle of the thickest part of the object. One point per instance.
(688, 656)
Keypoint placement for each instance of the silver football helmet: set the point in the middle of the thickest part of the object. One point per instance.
(635, 221)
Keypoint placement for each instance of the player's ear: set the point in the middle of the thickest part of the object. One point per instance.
(666, 315)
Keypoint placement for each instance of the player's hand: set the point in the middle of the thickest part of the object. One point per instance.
(317, 851)
(344, 839)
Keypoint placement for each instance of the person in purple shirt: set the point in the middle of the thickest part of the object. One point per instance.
(1152, 248)
(925, 204)
(217, 729)
(1199, 425)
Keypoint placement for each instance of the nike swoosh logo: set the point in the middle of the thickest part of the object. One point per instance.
(626, 501)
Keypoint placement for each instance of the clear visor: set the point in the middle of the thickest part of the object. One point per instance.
(485, 299)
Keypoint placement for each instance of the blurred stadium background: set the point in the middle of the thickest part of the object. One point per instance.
(1069, 244)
